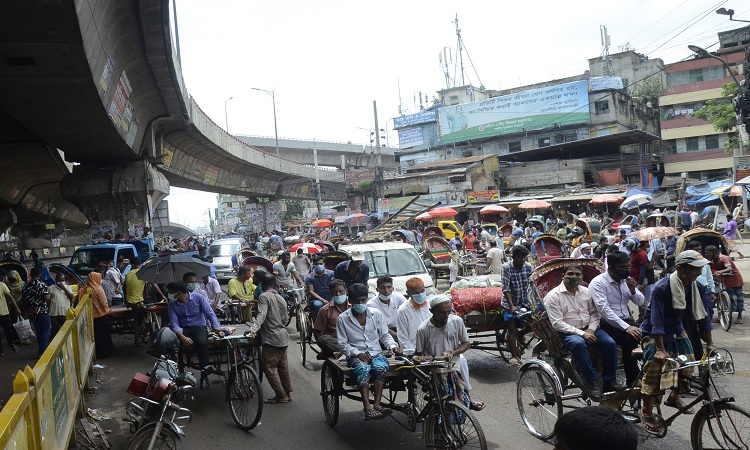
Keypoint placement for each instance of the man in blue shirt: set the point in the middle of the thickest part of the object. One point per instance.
(317, 284)
(187, 318)
(687, 221)
(354, 270)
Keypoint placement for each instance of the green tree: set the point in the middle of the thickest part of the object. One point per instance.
(721, 114)
(294, 209)
(649, 89)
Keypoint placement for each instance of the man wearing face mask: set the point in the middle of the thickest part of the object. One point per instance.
(388, 303)
(187, 318)
(612, 291)
(412, 314)
(324, 328)
(318, 285)
(573, 314)
(354, 270)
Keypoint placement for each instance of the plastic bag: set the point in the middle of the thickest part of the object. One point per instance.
(24, 330)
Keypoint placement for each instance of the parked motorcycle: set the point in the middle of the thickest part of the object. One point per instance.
(155, 415)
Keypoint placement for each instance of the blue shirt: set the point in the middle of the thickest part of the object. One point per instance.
(320, 283)
(671, 244)
(662, 319)
(192, 313)
(342, 273)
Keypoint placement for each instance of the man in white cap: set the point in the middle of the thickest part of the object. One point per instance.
(353, 270)
(582, 251)
(674, 298)
(445, 335)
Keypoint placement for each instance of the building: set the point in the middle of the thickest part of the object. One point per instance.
(693, 145)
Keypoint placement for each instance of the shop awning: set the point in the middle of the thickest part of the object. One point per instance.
(392, 192)
(415, 189)
(573, 198)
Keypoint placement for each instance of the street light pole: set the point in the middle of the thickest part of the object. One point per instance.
(275, 128)
(226, 116)
(740, 151)
(317, 180)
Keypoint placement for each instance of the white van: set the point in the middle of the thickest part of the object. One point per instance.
(222, 250)
(397, 259)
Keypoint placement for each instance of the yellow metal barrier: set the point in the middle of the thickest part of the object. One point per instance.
(41, 413)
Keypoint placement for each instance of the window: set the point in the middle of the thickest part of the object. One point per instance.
(692, 144)
(624, 82)
(601, 107)
(514, 146)
(712, 141)
(544, 142)
(696, 75)
(669, 146)
(570, 137)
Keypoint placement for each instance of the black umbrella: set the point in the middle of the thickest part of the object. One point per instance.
(172, 268)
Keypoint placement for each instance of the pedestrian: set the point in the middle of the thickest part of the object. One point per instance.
(36, 296)
(686, 220)
(730, 233)
(723, 266)
(301, 263)
(7, 303)
(100, 308)
(271, 322)
(60, 297)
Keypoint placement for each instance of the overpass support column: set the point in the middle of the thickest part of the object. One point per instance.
(118, 199)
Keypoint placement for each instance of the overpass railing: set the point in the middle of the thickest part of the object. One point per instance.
(46, 400)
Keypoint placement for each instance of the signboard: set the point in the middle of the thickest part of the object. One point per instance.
(563, 104)
(410, 137)
(605, 83)
(742, 163)
(484, 196)
(49, 226)
(414, 119)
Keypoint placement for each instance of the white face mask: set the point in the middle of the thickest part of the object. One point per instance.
(384, 298)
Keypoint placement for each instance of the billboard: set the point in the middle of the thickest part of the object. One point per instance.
(414, 119)
(484, 196)
(410, 137)
(563, 104)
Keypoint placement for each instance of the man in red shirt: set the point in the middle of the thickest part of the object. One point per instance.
(639, 261)
(469, 239)
(723, 266)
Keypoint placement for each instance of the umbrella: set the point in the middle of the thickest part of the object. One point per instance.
(493, 209)
(654, 233)
(424, 217)
(534, 204)
(172, 268)
(443, 211)
(356, 219)
(636, 201)
(322, 223)
(726, 191)
(306, 247)
(599, 199)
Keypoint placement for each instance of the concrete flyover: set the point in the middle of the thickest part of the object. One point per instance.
(101, 82)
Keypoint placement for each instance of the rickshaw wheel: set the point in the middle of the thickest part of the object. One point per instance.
(501, 342)
(538, 403)
(245, 397)
(329, 386)
(302, 325)
(725, 310)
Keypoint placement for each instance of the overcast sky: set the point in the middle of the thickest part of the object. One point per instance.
(328, 60)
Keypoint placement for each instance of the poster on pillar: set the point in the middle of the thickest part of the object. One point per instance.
(742, 163)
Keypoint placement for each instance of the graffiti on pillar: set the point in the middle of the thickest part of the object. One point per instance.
(121, 110)
(198, 169)
(212, 174)
(107, 72)
(168, 155)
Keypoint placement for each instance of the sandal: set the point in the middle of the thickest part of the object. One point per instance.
(372, 414)
(275, 400)
(739, 322)
(384, 411)
(514, 362)
(681, 406)
(476, 406)
(649, 423)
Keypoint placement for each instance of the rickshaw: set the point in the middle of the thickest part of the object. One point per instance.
(674, 218)
(568, 219)
(629, 220)
(437, 252)
(591, 228)
(432, 231)
(536, 223)
(546, 247)
(332, 258)
(617, 217)
(18, 266)
(405, 236)
(658, 220)
(707, 216)
(506, 231)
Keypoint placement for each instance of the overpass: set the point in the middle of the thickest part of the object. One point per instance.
(96, 122)
(329, 153)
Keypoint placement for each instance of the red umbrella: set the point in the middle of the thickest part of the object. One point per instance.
(606, 198)
(443, 211)
(424, 217)
(306, 247)
(493, 209)
(322, 223)
(534, 204)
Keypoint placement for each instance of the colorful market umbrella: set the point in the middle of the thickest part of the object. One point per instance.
(424, 217)
(726, 191)
(443, 211)
(322, 223)
(654, 233)
(493, 209)
(599, 199)
(356, 219)
(534, 204)
(635, 201)
(306, 247)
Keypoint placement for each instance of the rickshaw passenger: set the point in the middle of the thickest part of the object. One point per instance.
(612, 291)
(387, 302)
(324, 328)
(360, 330)
(722, 265)
(318, 285)
(412, 314)
(573, 314)
(516, 274)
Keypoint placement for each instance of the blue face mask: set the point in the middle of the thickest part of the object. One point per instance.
(191, 287)
(339, 299)
(320, 268)
(419, 298)
(171, 297)
(359, 308)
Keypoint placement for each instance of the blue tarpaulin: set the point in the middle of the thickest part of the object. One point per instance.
(639, 191)
(702, 192)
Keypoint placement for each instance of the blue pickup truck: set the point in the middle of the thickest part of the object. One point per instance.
(87, 258)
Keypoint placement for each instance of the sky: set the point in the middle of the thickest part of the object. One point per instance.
(328, 61)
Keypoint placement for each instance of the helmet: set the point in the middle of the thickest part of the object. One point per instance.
(578, 231)
(166, 342)
(517, 232)
(631, 243)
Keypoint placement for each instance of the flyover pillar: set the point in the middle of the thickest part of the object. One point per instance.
(118, 199)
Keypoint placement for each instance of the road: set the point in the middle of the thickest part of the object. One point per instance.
(302, 421)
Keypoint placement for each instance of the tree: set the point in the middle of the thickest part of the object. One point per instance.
(294, 208)
(721, 114)
(649, 89)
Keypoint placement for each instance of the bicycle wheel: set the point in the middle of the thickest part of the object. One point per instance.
(726, 427)
(502, 343)
(257, 355)
(456, 428)
(167, 439)
(245, 397)
(302, 324)
(538, 403)
(329, 385)
(724, 308)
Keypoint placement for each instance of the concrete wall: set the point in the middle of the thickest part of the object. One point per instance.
(543, 173)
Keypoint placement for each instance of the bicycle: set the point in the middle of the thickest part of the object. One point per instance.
(723, 304)
(305, 329)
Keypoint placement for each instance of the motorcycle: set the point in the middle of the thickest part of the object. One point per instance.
(155, 415)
